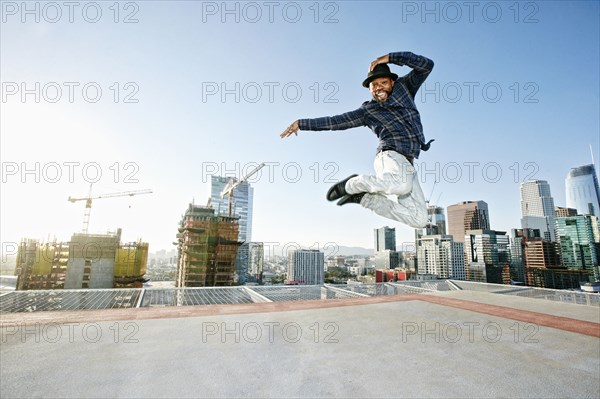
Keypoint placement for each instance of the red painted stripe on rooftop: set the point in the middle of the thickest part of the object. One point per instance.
(541, 319)
(82, 316)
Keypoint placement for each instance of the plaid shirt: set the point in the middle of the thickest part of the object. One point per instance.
(395, 121)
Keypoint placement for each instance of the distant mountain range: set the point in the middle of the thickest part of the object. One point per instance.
(330, 249)
(348, 251)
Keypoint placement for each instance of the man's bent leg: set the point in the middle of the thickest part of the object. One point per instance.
(410, 215)
(415, 203)
(394, 175)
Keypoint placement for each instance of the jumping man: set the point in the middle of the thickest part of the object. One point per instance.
(393, 116)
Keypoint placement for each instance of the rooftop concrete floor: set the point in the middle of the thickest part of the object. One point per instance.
(444, 345)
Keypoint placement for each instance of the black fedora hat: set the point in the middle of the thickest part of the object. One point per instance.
(380, 71)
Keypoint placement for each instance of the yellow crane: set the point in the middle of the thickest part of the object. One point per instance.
(89, 198)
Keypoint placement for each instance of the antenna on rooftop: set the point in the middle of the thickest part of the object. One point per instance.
(593, 162)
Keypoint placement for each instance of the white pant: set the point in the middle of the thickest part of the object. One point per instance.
(395, 175)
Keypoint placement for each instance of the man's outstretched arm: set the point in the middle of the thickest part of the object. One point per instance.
(338, 122)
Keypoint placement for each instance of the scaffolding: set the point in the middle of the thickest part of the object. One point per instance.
(41, 266)
(207, 247)
(44, 266)
(130, 265)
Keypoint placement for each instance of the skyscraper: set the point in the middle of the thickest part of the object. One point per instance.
(516, 256)
(577, 243)
(256, 253)
(518, 251)
(436, 218)
(487, 255)
(540, 253)
(467, 215)
(582, 191)
(441, 256)
(385, 239)
(537, 208)
(306, 266)
(241, 204)
(387, 259)
(436, 222)
(249, 262)
(241, 207)
(562, 212)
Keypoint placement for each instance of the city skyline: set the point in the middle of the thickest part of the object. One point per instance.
(156, 105)
(104, 98)
(330, 244)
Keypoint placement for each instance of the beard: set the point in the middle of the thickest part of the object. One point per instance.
(381, 98)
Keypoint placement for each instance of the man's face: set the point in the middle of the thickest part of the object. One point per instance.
(381, 88)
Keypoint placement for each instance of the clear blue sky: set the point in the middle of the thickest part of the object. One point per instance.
(515, 90)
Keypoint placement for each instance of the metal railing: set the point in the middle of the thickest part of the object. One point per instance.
(84, 299)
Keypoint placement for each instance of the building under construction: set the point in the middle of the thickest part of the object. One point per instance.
(87, 261)
(207, 248)
(131, 265)
(41, 266)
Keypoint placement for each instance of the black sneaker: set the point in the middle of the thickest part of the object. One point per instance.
(338, 190)
(351, 199)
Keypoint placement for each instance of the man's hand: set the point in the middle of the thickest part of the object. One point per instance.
(384, 59)
(292, 129)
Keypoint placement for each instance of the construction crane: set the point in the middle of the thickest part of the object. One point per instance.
(89, 198)
(231, 185)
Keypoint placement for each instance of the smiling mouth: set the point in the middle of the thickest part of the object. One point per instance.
(381, 94)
